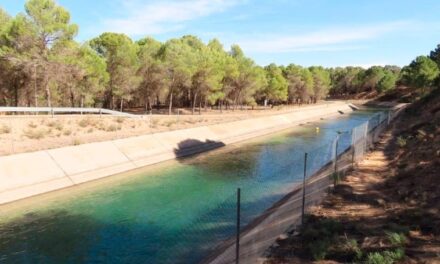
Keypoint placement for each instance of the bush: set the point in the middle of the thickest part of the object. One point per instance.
(111, 128)
(4, 129)
(32, 125)
(119, 120)
(401, 141)
(85, 122)
(35, 133)
(386, 257)
(76, 142)
(397, 239)
(67, 132)
(56, 124)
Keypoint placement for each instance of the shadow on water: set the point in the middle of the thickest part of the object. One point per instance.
(60, 237)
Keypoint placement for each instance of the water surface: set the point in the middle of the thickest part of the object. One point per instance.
(173, 212)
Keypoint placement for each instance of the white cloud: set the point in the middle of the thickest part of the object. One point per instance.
(330, 39)
(163, 16)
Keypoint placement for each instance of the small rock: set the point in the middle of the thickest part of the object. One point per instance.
(380, 201)
(282, 237)
(421, 132)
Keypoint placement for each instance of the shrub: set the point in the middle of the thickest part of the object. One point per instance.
(352, 246)
(32, 125)
(90, 130)
(67, 132)
(35, 133)
(386, 257)
(397, 239)
(4, 129)
(319, 249)
(119, 120)
(56, 124)
(111, 128)
(76, 142)
(401, 141)
(85, 122)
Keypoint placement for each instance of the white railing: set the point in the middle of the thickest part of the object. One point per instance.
(55, 110)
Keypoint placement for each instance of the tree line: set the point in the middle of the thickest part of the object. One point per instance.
(42, 65)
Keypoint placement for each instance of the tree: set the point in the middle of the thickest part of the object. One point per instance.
(321, 82)
(276, 88)
(435, 55)
(151, 71)
(120, 54)
(372, 77)
(420, 73)
(387, 83)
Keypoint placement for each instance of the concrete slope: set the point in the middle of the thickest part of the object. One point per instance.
(28, 174)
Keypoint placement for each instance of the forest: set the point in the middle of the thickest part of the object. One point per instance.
(41, 64)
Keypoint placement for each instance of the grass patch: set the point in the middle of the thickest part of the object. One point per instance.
(58, 125)
(4, 129)
(35, 133)
(32, 125)
(113, 128)
(85, 122)
(67, 132)
(119, 120)
(386, 257)
(401, 141)
(76, 142)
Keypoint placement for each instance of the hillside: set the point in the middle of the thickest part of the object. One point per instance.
(388, 209)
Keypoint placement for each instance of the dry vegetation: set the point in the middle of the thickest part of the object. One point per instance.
(30, 133)
(388, 209)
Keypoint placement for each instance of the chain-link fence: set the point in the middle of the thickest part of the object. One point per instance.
(252, 232)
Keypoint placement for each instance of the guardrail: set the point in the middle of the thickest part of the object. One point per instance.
(53, 110)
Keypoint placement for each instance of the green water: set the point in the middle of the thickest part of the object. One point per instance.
(174, 212)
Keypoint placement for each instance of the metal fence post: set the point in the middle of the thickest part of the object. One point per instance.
(353, 145)
(336, 161)
(304, 189)
(237, 241)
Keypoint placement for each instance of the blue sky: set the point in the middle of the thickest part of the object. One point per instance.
(306, 32)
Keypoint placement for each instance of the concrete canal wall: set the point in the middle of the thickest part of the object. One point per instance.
(29, 174)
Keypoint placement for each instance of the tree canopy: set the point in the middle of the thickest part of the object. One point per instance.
(42, 64)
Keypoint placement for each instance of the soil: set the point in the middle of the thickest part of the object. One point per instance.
(395, 190)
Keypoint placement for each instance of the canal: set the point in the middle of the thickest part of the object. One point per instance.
(173, 212)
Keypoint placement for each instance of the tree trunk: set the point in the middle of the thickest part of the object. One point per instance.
(194, 103)
(49, 102)
(122, 104)
(170, 103)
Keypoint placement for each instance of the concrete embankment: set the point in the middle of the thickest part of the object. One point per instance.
(28, 174)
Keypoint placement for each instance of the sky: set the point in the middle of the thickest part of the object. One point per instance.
(306, 32)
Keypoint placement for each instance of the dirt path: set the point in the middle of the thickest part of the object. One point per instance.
(365, 216)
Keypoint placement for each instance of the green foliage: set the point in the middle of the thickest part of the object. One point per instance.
(276, 88)
(386, 257)
(387, 82)
(397, 239)
(421, 73)
(41, 64)
(401, 141)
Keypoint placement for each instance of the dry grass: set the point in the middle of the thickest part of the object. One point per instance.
(4, 129)
(35, 133)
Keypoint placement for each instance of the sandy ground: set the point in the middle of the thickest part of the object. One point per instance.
(20, 134)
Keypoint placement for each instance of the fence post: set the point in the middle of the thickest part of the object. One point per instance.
(237, 241)
(304, 189)
(336, 162)
(353, 146)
